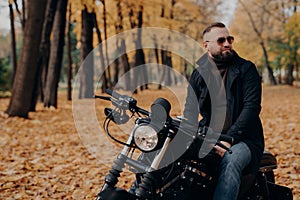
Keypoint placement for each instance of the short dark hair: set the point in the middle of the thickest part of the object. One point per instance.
(213, 25)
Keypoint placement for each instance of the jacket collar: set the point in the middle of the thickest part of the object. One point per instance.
(206, 64)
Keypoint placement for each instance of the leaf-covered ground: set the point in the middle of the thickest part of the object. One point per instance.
(44, 158)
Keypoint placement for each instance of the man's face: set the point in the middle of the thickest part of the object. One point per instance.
(221, 51)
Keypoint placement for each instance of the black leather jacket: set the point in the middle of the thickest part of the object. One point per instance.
(243, 98)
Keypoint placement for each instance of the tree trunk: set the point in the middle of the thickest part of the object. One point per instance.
(295, 65)
(172, 9)
(140, 77)
(170, 71)
(106, 47)
(168, 80)
(116, 75)
(167, 56)
(279, 76)
(56, 55)
(270, 71)
(289, 77)
(69, 57)
(13, 44)
(104, 77)
(297, 73)
(156, 49)
(125, 62)
(44, 53)
(162, 13)
(185, 68)
(124, 57)
(166, 77)
(19, 104)
(259, 33)
(86, 89)
(21, 16)
(24, 12)
(163, 55)
(131, 20)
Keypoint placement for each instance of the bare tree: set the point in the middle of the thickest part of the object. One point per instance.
(86, 89)
(259, 30)
(293, 46)
(140, 76)
(104, 76)
(13, 43)
(43, 56)
(166, 56)
(69, 57)
(106, 47)
(121, 45)
(21, 14)
(56, 54)
(20, 101)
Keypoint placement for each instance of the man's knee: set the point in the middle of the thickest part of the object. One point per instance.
(240, 157)
(230, 160)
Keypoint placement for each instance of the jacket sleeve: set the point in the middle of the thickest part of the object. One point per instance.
(251, 104)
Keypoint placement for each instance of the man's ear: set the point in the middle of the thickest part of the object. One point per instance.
(205, 45)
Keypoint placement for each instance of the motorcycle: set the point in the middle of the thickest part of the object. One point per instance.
(185, 176)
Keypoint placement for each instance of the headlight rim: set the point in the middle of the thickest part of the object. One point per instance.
(156, 133)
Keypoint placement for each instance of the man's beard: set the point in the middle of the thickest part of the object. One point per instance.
(223, 56)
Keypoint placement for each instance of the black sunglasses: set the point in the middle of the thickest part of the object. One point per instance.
(221, 40)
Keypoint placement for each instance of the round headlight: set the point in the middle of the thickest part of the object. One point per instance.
(145, 137)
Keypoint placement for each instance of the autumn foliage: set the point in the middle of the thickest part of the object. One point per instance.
(44, 158)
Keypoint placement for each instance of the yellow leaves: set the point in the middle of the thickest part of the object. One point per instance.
(43, 157)
(293, 25)
(187, 15)
(281, 122)
(273, 22)
(78, 194)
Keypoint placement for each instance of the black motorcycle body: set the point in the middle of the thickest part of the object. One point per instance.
(187, 177)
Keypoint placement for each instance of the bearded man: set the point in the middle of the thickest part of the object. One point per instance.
(242, 85)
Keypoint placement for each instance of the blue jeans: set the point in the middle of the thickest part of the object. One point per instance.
(231, 168)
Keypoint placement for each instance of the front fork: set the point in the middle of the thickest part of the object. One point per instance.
(111, 179)
(144, 189)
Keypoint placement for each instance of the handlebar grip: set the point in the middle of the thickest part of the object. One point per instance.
(102, 97)
(113, 93)
(226, 138)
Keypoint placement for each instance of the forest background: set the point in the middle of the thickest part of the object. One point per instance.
(48, 41)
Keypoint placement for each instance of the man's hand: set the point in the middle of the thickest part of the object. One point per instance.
(220, 150)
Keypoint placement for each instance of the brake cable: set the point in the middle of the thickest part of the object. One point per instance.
(105, 127)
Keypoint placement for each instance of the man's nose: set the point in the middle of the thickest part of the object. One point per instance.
(226, 43)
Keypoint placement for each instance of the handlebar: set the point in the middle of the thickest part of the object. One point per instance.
(113, 93)
(226, 138)
(123, 102)
(222, 137)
